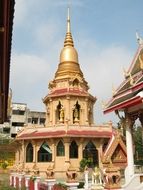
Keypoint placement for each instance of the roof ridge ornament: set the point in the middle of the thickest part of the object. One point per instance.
(141, 62)
(139, 39)
(131, 79)
(125, 72)
(113, 90)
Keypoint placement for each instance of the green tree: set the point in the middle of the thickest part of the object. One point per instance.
(138, 142)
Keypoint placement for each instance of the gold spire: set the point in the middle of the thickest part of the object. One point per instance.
(69, 65)
(68, 39)
(68, 21)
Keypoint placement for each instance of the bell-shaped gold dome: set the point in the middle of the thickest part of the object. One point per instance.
(68, 54)
(68, 57)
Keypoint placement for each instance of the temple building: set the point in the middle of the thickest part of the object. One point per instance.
(127, 103)
(69, 133)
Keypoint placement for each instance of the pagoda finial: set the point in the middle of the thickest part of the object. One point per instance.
(68, 21)
(68, 38)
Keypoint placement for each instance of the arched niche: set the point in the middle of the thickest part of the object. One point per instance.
(44, 153)
(73, 150)
(76, 112)
(29, 153)
(60, 148)
(90, 152)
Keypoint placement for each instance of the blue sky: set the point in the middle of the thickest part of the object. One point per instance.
(104, 36)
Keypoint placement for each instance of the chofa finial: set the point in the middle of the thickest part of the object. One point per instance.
(139, 39)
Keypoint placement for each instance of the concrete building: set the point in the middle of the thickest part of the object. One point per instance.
(19, 116)
(36, 117)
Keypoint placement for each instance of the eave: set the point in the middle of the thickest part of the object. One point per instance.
(61, 132)
(128, 103)
(68, 92)
(126, 99)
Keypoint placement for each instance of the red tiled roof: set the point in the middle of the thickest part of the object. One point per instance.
(64, 133)
(127, 103)
(126, 95)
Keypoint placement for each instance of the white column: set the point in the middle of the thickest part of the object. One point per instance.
(130, 154)
(27, 178)
(86, 179)
(72, 185)
(50, 183)
(14, 180)
(36, 182)
(20, 176)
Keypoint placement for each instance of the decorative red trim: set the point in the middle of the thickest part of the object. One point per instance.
(134, 89)
(75, 133)
(128, 103)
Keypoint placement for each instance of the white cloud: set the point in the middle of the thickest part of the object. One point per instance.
(30, 75)
(29, 78)
(102, 68)
(46, 33)
(21, 11)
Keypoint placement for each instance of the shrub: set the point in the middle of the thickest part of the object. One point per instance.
(85, 163)
(81, 185)
(4, 165)
(59, 186)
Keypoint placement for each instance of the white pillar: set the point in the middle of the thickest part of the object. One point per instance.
(37, 180)
(20, 176)
(72, 185)
(27, 178)
(130, 154)
(11, 179)
(50, 183)
(14, 179)
(86, 179)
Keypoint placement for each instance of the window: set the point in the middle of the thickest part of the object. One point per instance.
(29, 120)
(29, 153)
(73, 150)
(17, 124)
(18, 112)
(44, 153)
(35, 120)
(60, 149)
(42, 120)
(90, 152)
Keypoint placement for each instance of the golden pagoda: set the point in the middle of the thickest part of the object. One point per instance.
(69, 134)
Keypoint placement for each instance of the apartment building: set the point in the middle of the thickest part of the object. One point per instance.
(20, 116)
